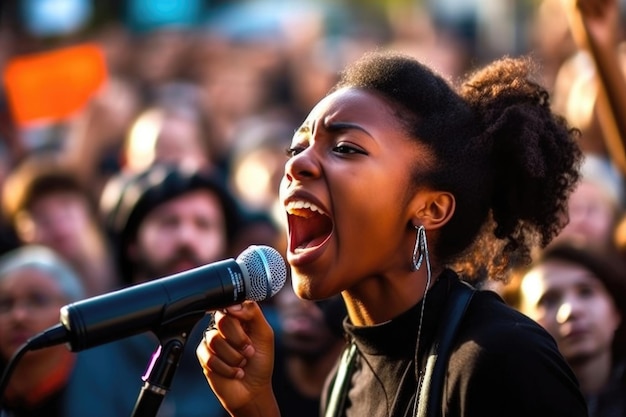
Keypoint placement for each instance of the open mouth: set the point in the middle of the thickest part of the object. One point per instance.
(309, 226)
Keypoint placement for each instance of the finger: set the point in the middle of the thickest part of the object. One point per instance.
(251, 328)
(231, 354)
(234, 329)
(211, 362)
(237, 337)
(252, 318)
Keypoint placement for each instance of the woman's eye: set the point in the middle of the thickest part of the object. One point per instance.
(347, 149)
(586, 292)
(293, 151)
(549, 300)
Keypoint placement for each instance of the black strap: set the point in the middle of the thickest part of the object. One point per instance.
(437, 363)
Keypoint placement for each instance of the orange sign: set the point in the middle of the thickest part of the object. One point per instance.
(52, 86)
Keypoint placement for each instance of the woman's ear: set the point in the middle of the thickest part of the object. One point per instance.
(433, 209)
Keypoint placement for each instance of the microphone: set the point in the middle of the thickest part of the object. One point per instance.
(258, 273)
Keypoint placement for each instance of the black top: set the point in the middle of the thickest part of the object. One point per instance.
(611, 402)
(502, 363)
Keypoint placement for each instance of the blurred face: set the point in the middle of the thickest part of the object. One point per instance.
(183, 233)
(346, 191)
(592, 215)
(60, 221)
(573, 305)
(180, 141)
(304, 331)
(257, 177)
(161, 137)
(30, 300)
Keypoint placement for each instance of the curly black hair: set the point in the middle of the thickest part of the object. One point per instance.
(509, 161)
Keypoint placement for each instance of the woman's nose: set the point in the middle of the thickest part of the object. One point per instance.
(304, 165)
(568, 309)
(563, 313)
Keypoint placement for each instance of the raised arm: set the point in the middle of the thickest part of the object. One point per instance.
(595, 27)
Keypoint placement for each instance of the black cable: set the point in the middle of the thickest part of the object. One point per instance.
(52, 336)
(8, 371)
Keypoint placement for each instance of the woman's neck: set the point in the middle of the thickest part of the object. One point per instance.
(384, 298)
(594, 373)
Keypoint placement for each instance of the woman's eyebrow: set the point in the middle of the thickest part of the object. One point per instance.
(337, 126)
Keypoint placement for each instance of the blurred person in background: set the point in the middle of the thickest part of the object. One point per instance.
(577, 292)
(34, 284)
(48, 204)
(161, 55)
(589, 85)
(8, 237)
(594, 211)
(172, 129)
(94, 137)
(191, 207)
(163, 220)
(596, 205)
(589, 93)
(239, 78)
(309, 340)
(258, 162)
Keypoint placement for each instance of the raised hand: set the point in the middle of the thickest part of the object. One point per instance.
(237, 357)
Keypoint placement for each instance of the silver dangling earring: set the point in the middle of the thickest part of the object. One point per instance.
(420, 250)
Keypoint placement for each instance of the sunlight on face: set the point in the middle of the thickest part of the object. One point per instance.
(141, 140)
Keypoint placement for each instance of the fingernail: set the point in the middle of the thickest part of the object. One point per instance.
(247, 351)
(239, 374)
(236, 307)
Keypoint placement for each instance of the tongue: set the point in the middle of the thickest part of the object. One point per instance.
(312, 231)
(313, 243)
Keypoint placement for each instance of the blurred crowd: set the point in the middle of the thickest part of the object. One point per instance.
(172, 159)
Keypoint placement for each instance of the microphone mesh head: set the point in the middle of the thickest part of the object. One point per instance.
(266, 269)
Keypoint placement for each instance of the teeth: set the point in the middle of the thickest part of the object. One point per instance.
(293, 207)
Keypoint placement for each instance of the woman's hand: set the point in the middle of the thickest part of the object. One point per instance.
(237, 357)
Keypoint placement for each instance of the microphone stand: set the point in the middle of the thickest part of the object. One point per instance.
(163, 366)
